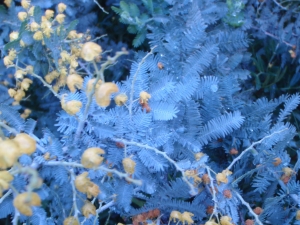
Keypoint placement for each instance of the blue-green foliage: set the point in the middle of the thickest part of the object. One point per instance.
(195, 77)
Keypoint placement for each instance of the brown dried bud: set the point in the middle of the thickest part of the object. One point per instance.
(227, 193)
(277, 161)
(258, 210)
(210, 209)
(160, 65)
(233, 151)
(205, 179)
(249, 222)
(298, 215)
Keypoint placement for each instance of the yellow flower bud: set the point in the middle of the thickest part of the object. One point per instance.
(199, 155)
(72, 34)
(73, 61)
(20, 95)
(12, 92)
(23, 202)
(287, 171)
(103, 93)
(47, 32)
(144, 97)
(27, 144)
(26, 84)
(5, 179)
(61, 7)
(121, 99)
(8, 158)
(129, 165)
(222, 177)
(226, 220)
(27, 111)
(22, 16)
(90, 85)
(88, 208)
(19, 74)
(71, 107)
(34, 26)
(13, 36)
(65, 56)
(38, 36)
(71, 221)
(90, 50)
(92, 158)
(12, 54)
(31, 11)
(60, 18)
(29, 69)
(49, 13)
(7, 61)
(74, 82)
(22, 43)
(25, 4)
(7, 3)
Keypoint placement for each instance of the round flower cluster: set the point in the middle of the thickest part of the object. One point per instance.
(12, 149)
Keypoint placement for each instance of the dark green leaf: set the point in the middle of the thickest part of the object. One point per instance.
(37, 14)
(72, 26)
(13, 44)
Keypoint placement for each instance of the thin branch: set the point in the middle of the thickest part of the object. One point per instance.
(16, 217)
(103, 10)
(134, 79)
(47, 85)
(280, 6)
(5, 195)
(273, 36)
(118, 173)
(184, 178)
(8, 128)
(41, 79)
(76, 210)
(101, 209)
(251, 147)
(214, 194)
(100, 75)
(249, 208)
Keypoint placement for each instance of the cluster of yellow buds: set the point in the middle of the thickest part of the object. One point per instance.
(23, 84)
(43, 29)
(185, 217)
(5, 179)
(121, 99)
(26, 113)
(87, 209)
(71, 220)
(60, 77)
(92, 157)
(129, 165)
(71, 107)
(23, 202)
(103, 93)
(21, 144)
(222, 177)
(8, 60)
(224, 220)
(74, 81)
(194, 175)
(86, 186)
